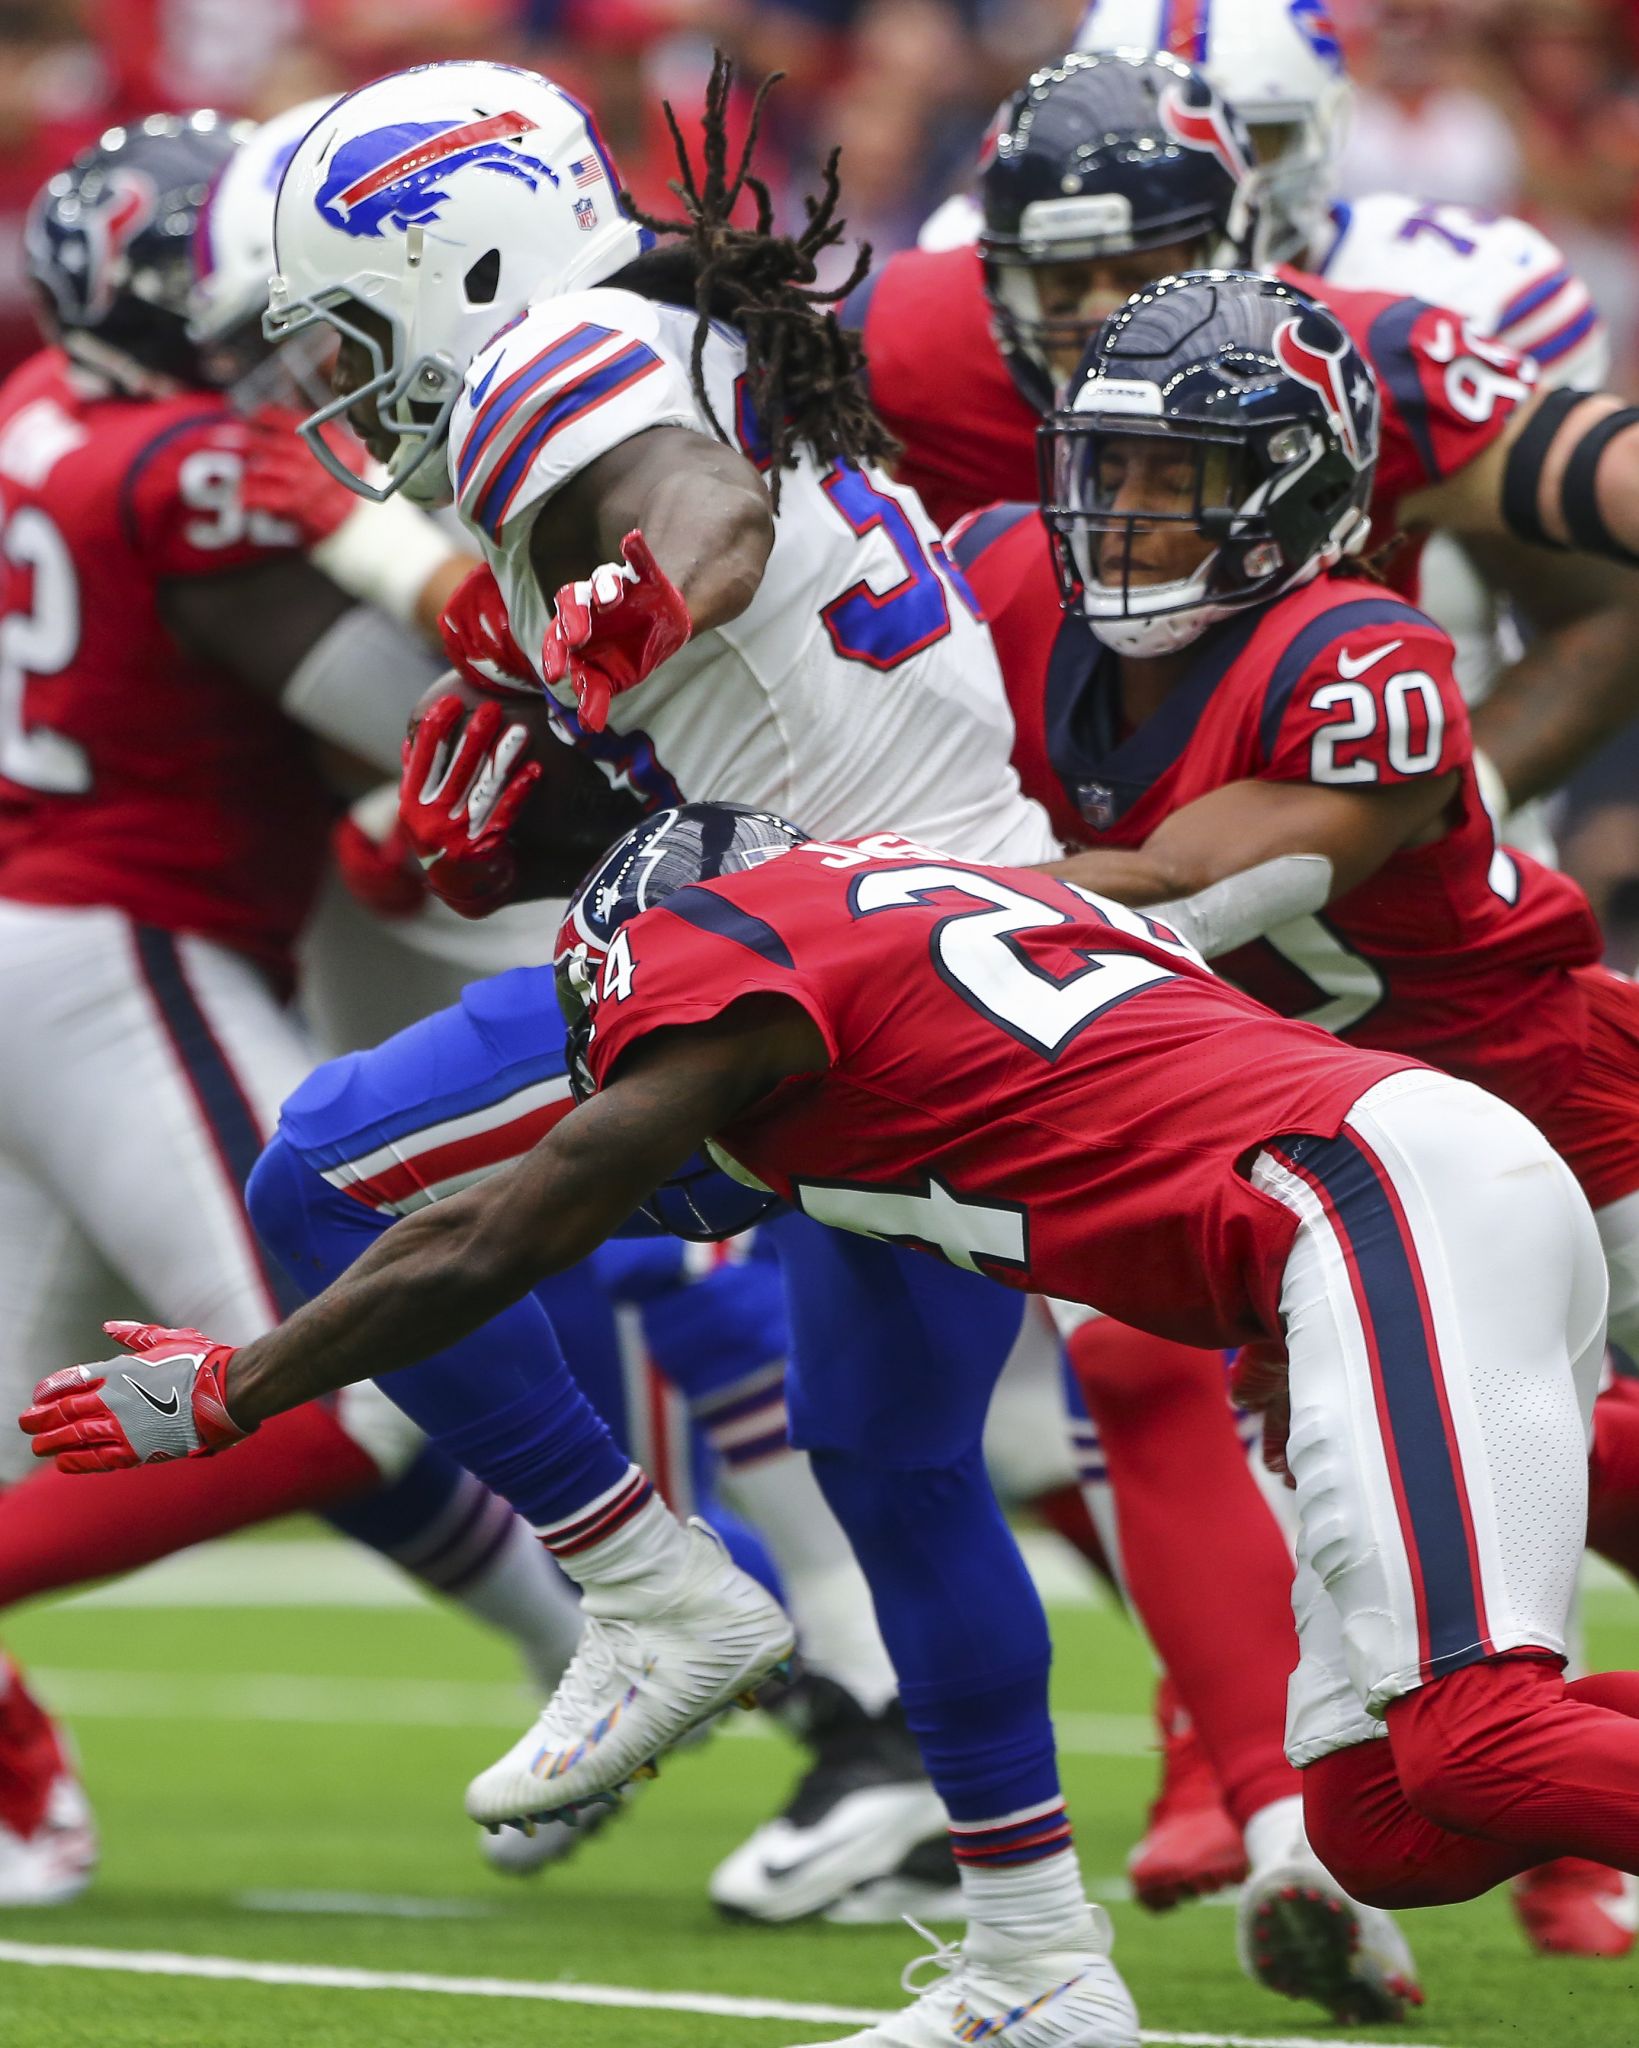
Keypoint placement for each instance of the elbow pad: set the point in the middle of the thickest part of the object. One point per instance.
(1578, 492)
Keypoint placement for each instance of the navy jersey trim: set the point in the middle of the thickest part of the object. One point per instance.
(1314, 639)
(974, 535)
(708, 912)
(1389, 345)
(1102, 774)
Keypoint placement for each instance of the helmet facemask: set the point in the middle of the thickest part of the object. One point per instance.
(1087, 231)
(1112, 482)
(412, 396)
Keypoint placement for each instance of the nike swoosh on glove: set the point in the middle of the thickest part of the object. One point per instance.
(614, 629)
(103, 1417)
(477, 636)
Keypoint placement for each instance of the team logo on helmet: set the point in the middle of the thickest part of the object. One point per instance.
(1313, 21)
(1204, 127)
(88, 256)
(1324, 370)
(397, 177)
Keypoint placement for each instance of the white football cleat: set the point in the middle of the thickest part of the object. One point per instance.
(1009, 1994)
(1298, 1933)
(863, 1805)
(635, 1684)
(56, 1859)
(521, 1851)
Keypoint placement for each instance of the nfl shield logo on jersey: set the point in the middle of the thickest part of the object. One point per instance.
(586, 214)
(1096, 803)
(397, 176)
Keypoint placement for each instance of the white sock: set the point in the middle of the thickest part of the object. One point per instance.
(1042, 1902)
(522, 1592)
(825, 1590)
(626, 1548)
(1275, 1832)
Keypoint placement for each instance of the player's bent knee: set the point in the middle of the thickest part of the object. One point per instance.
(1452, 1737)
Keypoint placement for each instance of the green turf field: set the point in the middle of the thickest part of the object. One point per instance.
(281, 1786)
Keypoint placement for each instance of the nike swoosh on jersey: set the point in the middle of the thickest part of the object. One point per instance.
(1349, 668)
(171, 1407)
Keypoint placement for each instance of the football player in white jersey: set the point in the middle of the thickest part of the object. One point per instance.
(666, 459)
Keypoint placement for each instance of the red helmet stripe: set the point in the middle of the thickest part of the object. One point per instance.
(495, 128)
(1322, 371)
(1202, 128)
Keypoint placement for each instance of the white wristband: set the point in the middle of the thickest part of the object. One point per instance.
(383, 554)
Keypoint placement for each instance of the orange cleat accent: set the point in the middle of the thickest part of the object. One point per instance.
(1571, 1907)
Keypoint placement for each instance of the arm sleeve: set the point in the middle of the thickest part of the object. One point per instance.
(676, 968)
(1374, 705)
(575, 378)
(182, 506)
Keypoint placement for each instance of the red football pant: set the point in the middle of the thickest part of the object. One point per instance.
(1486, 1772)
(1206, 1564)
(1613, 1476)
(59, 1530)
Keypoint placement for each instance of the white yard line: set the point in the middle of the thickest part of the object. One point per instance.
(417, 1703)
(713, 2005)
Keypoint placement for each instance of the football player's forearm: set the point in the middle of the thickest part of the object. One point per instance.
(713, 542)
(1127, 875)
(1572, 691)
(426, 1283)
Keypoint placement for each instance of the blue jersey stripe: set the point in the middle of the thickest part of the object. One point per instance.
(523, 380)
(1556, 345)
(1366, 1218)
(984, 528)
(1533, 296)
(581, 396)
(708, 912)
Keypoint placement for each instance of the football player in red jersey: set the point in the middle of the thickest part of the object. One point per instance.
(163, 624)
(1013, 1074)
(1230, 651)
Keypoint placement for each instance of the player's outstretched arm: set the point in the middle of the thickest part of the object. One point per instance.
(440, 1274)
(665, 536)
(1246, 825)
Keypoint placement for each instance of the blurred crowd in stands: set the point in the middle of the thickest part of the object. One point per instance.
(1526, 106)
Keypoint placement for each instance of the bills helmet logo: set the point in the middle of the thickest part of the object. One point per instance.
(1203, 127)
(1343, 386)
(1313, 21)
(398, 177)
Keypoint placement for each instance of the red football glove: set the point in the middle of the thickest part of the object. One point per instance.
(460, 796)
(614, 629)
(478, 639)
(101, 1418)
(282, 480)
(1259, 1380)
(382, 874)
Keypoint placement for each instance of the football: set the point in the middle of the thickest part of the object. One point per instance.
(571, 815)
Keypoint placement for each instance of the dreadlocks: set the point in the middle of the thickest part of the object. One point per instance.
(803, 370)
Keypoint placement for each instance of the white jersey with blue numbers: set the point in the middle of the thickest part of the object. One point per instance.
(857, 692)
(1507, 279)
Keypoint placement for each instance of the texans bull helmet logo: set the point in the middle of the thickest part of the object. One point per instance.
(398, 177)
(89, 256)
(1203, 127)
(1336, 373)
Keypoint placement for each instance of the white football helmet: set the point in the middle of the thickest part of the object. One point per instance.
(233, 245)
(1280, 66)
(441, 200)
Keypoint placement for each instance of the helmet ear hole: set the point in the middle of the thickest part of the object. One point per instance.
(483, 280)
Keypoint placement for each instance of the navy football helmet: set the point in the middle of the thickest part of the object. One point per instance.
(665, 853)
(109, 246)
(1104, 155)
(1221, 401)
